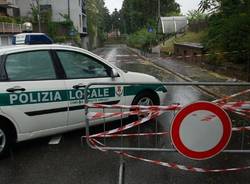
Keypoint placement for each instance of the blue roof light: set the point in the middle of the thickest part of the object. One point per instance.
(31, 39)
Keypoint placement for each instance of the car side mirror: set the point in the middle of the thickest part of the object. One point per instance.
(114, 73)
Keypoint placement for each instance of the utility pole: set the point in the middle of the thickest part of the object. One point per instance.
(69, 9)
(39, 15)
(159, 9)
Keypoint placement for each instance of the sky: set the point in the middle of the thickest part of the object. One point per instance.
(185, 5)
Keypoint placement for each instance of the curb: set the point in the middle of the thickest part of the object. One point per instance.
(187, 79)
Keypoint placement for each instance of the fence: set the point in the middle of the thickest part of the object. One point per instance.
(10, 28)
(151, 124)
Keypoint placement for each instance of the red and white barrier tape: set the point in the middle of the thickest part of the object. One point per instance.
(95, 143)
(225, 99)
(136, 107)
(150, 116)
(100, 115)
(132, 135)
(241, 108)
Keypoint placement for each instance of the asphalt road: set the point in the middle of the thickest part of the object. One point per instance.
(71, 162)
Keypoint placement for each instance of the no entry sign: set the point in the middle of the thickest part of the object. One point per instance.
(201, 130)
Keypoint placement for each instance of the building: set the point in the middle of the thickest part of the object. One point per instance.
(8, 8)
(75, 9)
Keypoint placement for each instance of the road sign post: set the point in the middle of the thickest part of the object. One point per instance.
(201, 130)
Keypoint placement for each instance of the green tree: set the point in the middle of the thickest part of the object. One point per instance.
(137, 14)
(196, 15)
(98, 21)
(115, 19)
(229, 26)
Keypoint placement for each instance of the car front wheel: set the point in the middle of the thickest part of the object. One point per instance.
(4, 141)
(146, 98)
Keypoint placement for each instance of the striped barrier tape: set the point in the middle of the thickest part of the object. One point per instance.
(235, 107)
(132, 135)
(98, 145)
(100, 115)
(225, 99)
(241, 108)
(135, 107)
(150, 116)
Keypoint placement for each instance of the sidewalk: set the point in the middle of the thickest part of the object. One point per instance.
(191, 72)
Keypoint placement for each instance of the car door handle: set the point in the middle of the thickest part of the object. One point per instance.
(78, 86)
(14, 89)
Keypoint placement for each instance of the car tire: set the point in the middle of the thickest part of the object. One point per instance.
(146, 98)
(5, 141)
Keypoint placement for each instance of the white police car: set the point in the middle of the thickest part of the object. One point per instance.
(42, 90)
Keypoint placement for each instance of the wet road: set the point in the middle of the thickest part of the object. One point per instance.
(70, 162)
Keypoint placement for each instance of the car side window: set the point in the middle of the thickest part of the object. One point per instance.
(77, 65)
(34, 65)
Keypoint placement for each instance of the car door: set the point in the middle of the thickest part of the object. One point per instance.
(82, 69)
(31, 92)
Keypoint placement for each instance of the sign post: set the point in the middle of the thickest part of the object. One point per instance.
(201, 130)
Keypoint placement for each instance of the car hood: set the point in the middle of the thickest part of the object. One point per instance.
(139, 77)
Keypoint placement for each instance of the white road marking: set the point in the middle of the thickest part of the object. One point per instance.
(55, 140)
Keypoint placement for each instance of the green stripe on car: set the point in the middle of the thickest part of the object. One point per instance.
(35, 97)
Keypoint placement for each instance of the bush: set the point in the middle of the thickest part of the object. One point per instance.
(60, 39)
(229, 34)
(142, 39)
(7, 19)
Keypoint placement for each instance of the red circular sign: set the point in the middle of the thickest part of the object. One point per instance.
(201, 130)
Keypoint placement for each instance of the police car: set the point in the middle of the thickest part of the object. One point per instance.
(42, 90)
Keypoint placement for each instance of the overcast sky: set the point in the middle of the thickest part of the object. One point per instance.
(185, 5)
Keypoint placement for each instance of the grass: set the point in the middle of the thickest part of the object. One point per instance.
(168, 46)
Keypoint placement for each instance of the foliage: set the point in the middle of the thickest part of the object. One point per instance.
(168, 46)
(98, 21)
(229, 26)
(68, 25)
(211, 6)
(7, 19)
(136, 14)
(142, 39)
(196, 15)
(34, 11)
(115, 19)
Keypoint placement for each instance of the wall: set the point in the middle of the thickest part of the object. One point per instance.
(5, 40)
